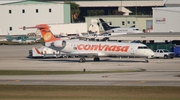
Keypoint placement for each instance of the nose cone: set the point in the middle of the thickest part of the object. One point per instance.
(151, 54)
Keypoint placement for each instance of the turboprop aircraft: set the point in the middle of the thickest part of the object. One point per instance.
(20, 39)
(93, 48)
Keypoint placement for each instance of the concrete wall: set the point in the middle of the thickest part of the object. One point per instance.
(11, 22)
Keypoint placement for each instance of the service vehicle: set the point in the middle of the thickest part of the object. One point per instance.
(163, 53)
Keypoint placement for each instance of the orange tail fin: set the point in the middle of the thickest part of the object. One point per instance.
(46, 33)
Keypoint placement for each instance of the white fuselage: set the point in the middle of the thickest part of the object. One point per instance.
(97, 36)
(125, 30)
(105, 48)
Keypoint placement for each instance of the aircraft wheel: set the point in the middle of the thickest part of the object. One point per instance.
(82, 59)
(107, 39)
(146, 61)
(96, 59)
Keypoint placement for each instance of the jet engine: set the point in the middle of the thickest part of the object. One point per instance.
(59, 43)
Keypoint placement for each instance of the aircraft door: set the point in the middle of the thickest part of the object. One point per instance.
(132, 51)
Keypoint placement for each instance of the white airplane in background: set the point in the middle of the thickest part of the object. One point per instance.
(93, 48)
(88, 36)
(114, 30)
(92, 36)
(94, 33)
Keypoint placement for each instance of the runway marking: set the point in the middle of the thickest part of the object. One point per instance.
(104, 76)
(176, 75)
(123, 83)
(17, 80)
(8, 81)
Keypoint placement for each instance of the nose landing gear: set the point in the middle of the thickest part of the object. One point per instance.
(146, 60)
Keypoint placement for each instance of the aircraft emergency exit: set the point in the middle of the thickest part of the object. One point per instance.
(93, 48)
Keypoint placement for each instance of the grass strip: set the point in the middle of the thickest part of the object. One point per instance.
(48, 92)
(28, 72)
(13, 43)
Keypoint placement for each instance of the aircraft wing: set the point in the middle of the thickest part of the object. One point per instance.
(117, 34)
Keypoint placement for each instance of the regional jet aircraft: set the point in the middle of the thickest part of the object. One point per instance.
(114, 30)
(93, 48)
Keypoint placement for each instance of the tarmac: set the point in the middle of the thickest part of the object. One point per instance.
(158, 72)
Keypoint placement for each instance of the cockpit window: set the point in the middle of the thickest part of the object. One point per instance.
(142, 47)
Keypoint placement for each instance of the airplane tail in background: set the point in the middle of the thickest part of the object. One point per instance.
(9, 38)
(104, 24)
(46, 33)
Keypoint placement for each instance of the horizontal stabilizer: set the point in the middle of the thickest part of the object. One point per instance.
(39, 26)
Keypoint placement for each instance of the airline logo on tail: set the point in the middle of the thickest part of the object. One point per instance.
(47, 36)
(46, 33)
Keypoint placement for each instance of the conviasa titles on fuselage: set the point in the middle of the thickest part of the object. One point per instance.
(93, 48)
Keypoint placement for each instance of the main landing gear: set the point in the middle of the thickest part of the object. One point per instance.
(82, 59)
(96, 59)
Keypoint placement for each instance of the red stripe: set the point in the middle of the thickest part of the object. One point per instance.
(37, 51)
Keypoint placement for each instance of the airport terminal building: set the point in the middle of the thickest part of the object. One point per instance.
(30, 13)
